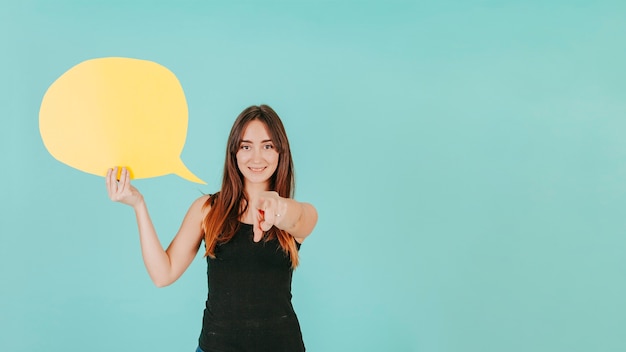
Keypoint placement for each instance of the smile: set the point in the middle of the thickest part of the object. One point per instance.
(256, 169)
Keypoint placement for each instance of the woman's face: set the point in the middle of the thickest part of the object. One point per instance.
(257, 157)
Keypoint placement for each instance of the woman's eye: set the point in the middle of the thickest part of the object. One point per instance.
(245, 147)
(269, 146)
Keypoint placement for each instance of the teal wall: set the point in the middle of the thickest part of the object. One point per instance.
(467, 160)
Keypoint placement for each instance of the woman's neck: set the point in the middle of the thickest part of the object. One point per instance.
(255, 188)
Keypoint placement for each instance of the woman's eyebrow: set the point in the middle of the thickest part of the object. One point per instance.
(263, 141)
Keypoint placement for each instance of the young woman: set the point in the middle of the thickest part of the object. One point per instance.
(252, 231)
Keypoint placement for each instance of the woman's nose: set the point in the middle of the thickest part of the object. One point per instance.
(257, 155)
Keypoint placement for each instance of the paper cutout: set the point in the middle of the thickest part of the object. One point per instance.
(117, 111)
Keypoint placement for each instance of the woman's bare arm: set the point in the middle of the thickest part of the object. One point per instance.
(164, 266)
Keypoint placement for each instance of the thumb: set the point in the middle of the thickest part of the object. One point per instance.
(256, 228)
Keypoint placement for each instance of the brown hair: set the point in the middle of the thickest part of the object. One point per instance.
(229, 205)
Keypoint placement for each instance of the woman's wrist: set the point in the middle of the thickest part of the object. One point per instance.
(139, 203)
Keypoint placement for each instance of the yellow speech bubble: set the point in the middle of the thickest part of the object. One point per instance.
(117, 111)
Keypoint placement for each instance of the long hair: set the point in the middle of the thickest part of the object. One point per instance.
(231, 202)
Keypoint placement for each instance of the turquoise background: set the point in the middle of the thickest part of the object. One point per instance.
(466, 158)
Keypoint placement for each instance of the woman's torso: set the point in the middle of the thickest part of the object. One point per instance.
(249, 300)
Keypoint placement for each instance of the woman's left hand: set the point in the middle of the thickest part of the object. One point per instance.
(270, 210)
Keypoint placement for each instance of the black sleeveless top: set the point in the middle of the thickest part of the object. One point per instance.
(248, 307)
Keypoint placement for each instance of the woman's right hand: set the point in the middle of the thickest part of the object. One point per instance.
(122, 191)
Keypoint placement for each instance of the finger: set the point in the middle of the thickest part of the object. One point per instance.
(113, 181)
(258, 205)
(120, 182)
(258, 231)
(125, 179)
(258, 234)
(269, 218)
(108, 181)
(269, 209)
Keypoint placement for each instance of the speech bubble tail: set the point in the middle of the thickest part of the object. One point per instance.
(182, 171)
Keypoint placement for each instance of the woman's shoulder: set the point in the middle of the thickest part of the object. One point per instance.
(202, 203)
(203, 199)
